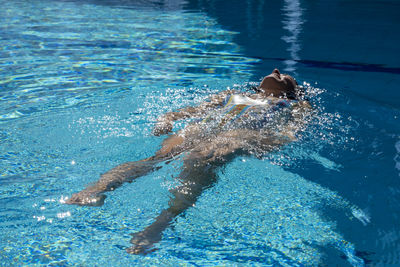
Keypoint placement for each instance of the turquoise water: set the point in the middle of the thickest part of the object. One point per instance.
(81, 86)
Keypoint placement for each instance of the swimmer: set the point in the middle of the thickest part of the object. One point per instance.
(230, 124)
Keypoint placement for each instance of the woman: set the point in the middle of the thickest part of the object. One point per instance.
(230, 124)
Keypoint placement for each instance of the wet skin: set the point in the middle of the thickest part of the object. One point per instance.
(204, 154)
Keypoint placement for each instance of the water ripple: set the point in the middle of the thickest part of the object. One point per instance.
(57, 57)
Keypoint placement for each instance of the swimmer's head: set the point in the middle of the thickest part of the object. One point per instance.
(278, 85)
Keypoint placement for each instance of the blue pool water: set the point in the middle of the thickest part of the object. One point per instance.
(82, 83)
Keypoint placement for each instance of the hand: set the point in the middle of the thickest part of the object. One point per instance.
(162, 127)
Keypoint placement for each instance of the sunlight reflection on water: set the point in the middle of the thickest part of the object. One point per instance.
(81, 93)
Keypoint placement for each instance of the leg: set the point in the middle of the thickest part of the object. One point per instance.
(199, 173)
(184, 196)
(126, 172)
(109, 181)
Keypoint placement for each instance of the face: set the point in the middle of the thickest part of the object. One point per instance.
(278, 84)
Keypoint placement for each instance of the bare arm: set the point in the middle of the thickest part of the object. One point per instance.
(165, 122)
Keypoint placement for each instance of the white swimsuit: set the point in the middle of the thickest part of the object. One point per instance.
(241, 111)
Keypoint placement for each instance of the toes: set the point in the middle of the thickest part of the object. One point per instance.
(141, 244)
(135, 250)
(141, 249)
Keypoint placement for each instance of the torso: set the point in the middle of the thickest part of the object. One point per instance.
(241, 112)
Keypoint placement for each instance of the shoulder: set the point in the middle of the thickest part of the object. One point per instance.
(221, 96)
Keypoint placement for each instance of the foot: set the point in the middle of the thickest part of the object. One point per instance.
(141, 244)
(87, 198)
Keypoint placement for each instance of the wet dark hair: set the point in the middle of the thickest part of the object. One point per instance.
(293, 89)
(292, 85)
(296, 91)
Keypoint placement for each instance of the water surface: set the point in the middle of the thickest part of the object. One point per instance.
(82, 83)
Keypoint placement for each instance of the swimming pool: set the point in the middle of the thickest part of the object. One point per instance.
(82, 83)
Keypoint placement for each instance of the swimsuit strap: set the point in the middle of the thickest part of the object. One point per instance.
(227, 101)
(233, 113)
